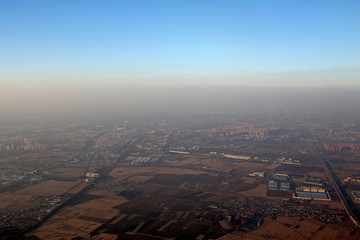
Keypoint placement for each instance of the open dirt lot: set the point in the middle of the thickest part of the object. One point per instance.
(70, 172)
(205, 162)
(259, 191)
(247, 167)
(8, 159)
(15, 202)
(23, 198)
(122, 173)
(139, 178)
(48, 188)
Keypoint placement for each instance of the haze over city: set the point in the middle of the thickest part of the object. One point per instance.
(89, 54)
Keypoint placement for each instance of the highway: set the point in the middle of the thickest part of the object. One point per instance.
(340, 194)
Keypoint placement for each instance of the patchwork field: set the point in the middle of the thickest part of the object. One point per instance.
(162, 202)
(82, 216)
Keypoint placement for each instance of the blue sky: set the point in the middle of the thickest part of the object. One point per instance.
(252, 43)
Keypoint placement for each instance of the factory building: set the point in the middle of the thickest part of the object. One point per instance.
(283, 177)
(278, 186)
(312, 189)
(308, 181)
(284, 186)
(312, 193)
(92, 174)
(257, 174)
(272, 185)
(311, 182)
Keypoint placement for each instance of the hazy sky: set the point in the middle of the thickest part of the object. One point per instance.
(149, 42)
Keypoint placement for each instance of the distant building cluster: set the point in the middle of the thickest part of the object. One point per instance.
(27, 145)
(339, 147)
(7, 147)
(184, 148)
(244, 131)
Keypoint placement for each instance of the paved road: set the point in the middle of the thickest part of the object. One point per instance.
(340, 194)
